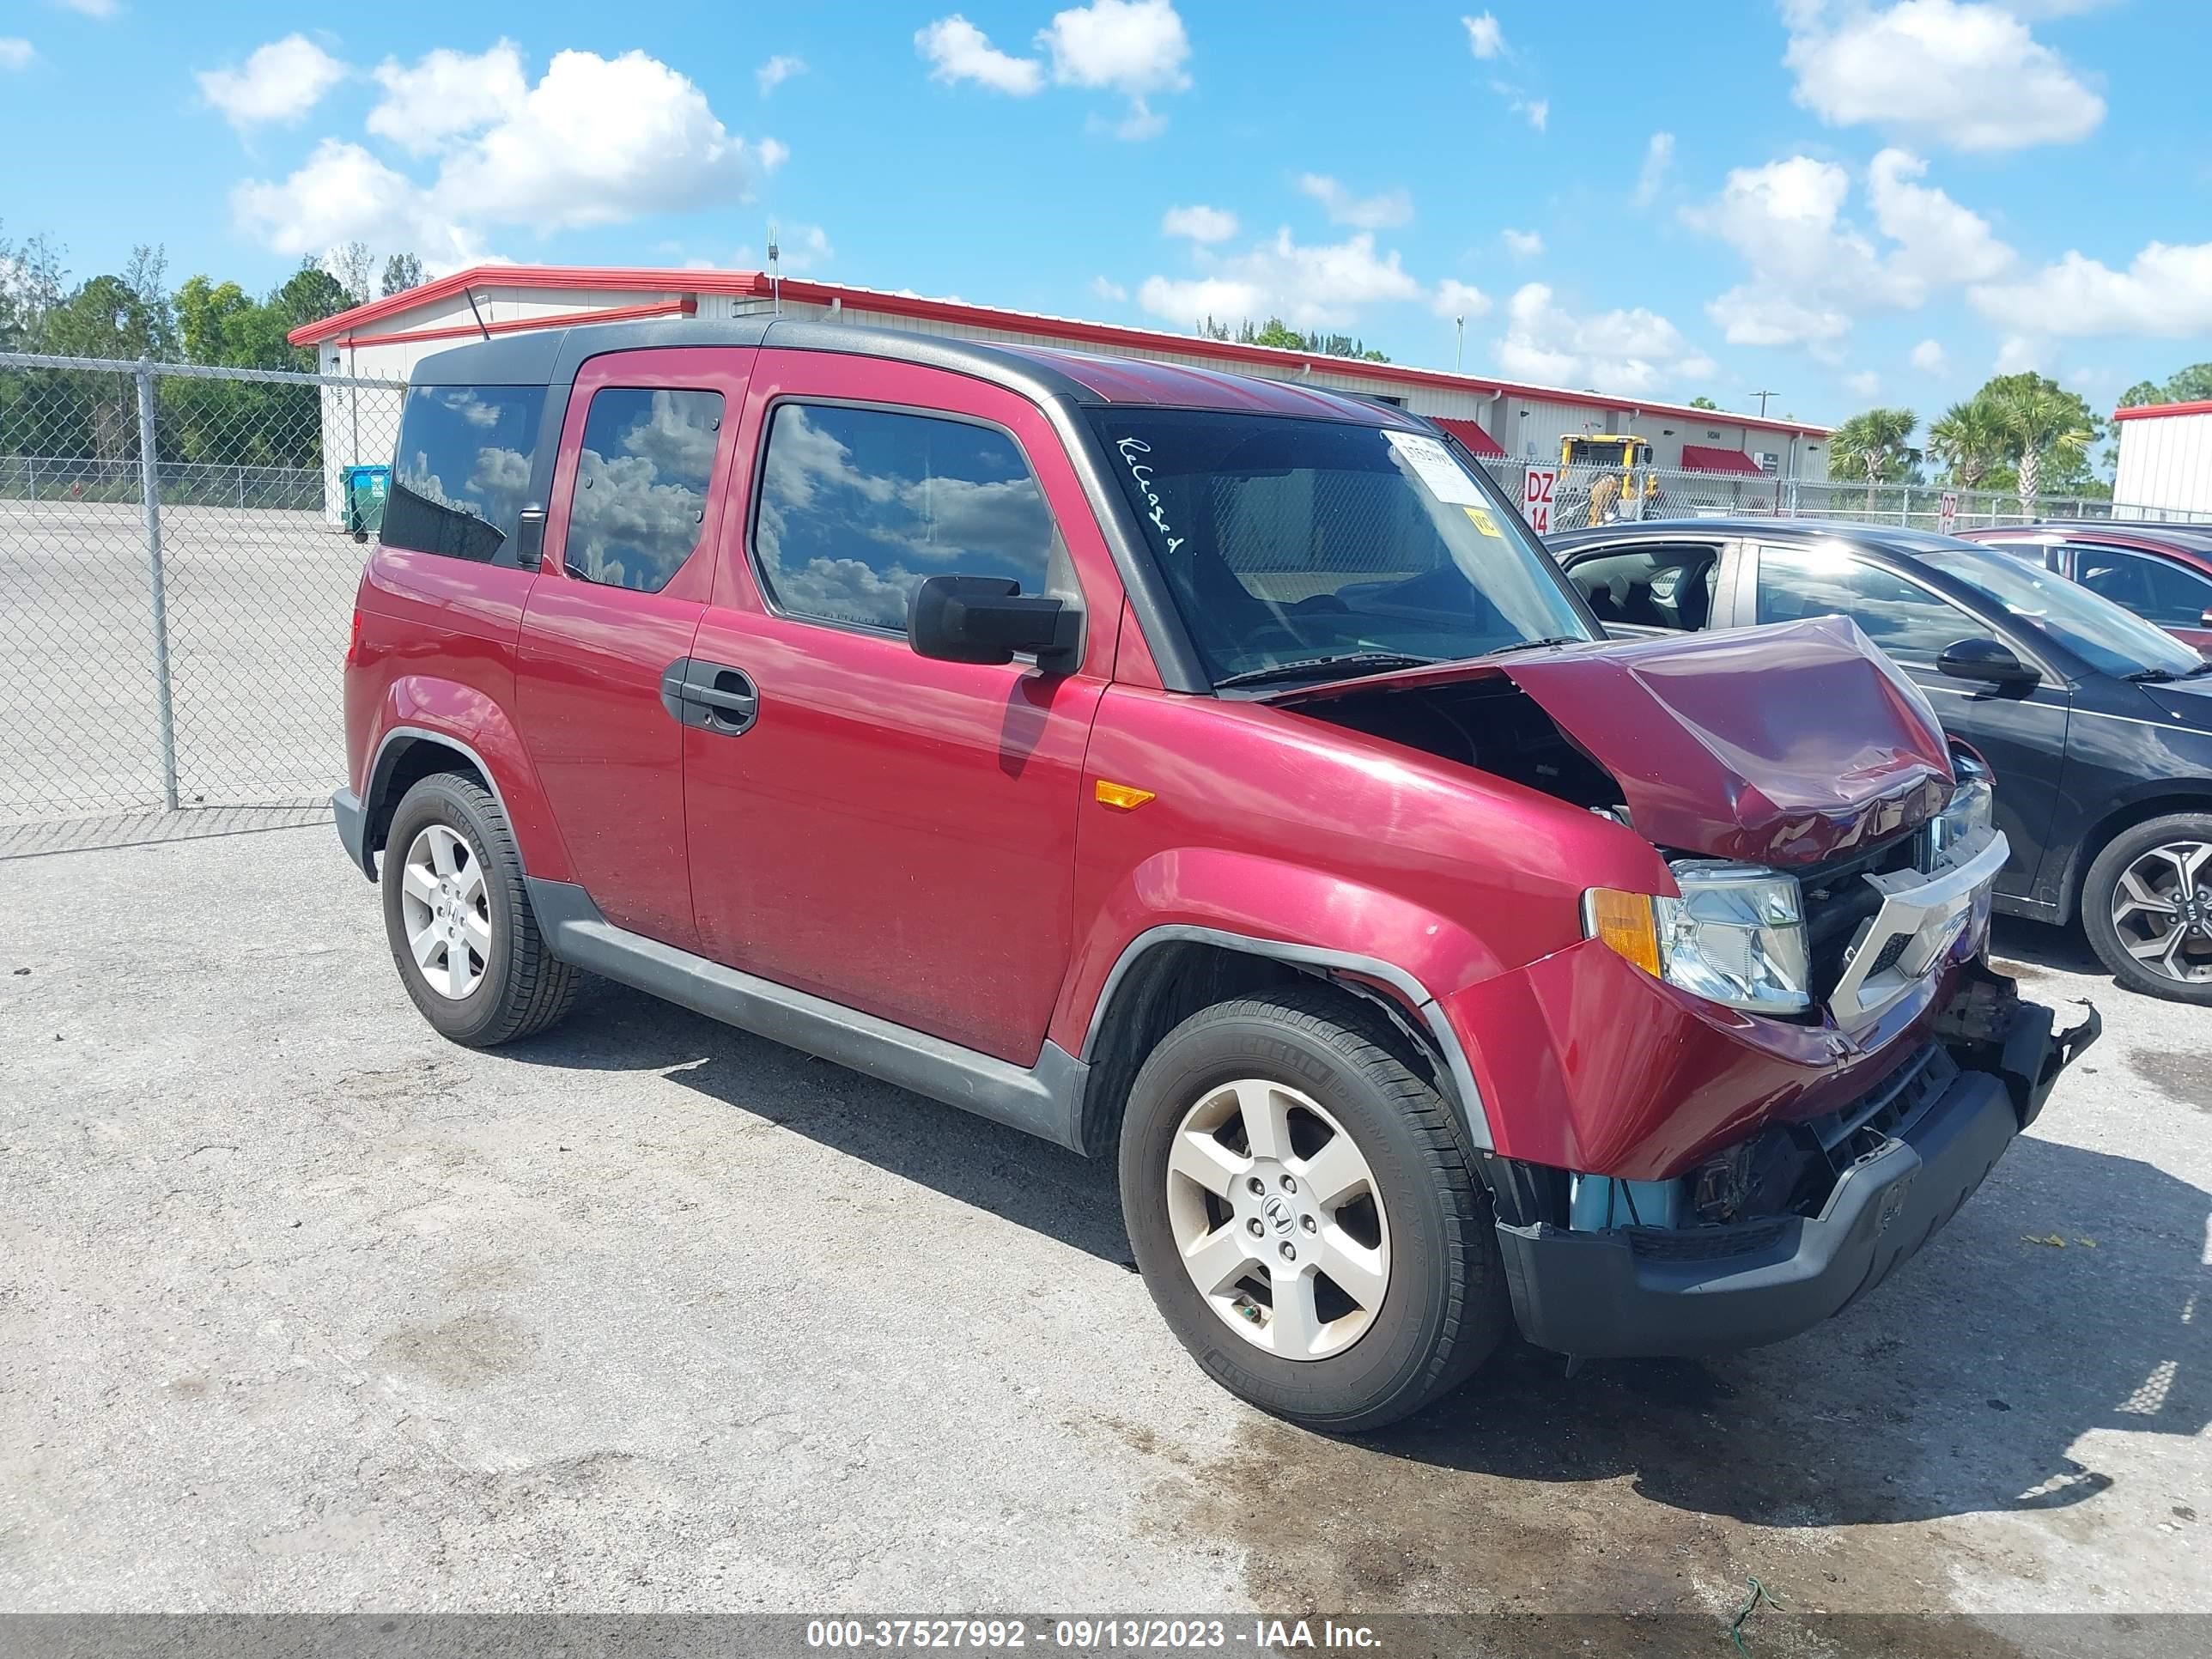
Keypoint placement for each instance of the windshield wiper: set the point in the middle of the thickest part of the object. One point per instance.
(1306, 667)
(1533, 645)
(2153, 676)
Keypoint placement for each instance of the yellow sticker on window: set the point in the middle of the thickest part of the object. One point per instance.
(1484, 522)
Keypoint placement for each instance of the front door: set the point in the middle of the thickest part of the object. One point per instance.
(893, 833)
(2021, 733)
(638, 490)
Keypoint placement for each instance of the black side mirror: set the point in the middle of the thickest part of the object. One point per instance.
(1985, 660)
(530, 538)
(988, 619)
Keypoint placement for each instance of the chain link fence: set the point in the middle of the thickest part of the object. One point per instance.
(176, 582)
(1576, 496)
(176, 577)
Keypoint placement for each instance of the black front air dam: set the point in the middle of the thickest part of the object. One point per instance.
(1643, 1292)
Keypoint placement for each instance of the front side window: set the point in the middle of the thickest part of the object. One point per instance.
(462, 471)
(1906, 620)
(2154, 590)
(2110, 639)
(1287, 542)
(642, 479)
(857, 506)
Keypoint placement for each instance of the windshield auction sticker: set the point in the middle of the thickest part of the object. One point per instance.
(1433, 464)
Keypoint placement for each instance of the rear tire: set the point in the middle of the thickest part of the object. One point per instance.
(2146, 908)
(1309, 1065)
(459, 921)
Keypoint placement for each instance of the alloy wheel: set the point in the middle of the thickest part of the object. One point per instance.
(2162, 911)
(446, 908)
(1277, 1220)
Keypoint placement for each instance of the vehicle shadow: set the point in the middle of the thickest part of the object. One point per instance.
(1961, 1385)
(2042, 945)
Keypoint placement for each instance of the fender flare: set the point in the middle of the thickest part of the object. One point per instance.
(1423, 1006)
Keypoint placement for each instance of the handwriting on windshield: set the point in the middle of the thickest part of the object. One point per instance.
(1131, 448)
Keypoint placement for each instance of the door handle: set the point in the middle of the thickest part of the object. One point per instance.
(711, 695)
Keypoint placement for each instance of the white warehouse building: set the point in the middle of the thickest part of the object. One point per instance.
(1502, 420)
(2165, 460)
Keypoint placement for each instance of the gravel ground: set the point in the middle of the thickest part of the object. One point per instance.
(304, 1309)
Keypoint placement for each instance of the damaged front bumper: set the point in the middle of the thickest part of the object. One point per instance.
(1651, 1291)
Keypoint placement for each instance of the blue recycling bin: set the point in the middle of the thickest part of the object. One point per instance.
(366, 489)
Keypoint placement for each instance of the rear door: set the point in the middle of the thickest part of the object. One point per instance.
(894, 834)
(639, 487)
(2023, 734)
(2159, 590)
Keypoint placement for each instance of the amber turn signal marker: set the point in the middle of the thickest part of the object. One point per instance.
(1124, 796)
(1624, 924)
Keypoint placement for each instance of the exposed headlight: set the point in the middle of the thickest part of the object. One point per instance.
(1736, 936)
(1969, 817)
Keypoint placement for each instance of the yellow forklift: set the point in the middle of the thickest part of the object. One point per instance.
(1625, 485)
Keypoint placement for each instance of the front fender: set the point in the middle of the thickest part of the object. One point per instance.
(1290, 913)
(421, 708)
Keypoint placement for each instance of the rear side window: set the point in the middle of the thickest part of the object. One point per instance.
(1903, 618)
(858, 505)
(462, 471)
(1666, 585)
(2154, 590)
(640, 495)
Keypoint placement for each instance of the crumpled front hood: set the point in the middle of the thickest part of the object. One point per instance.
(1784, 744)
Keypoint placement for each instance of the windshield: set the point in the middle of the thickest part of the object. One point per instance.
(1288, 542)
(2109, 639)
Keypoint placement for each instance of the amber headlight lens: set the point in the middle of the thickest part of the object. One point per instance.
(1736, 936)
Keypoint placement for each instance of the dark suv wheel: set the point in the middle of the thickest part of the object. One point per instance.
(459, 918)
(2147, 907)
(1303, 1210)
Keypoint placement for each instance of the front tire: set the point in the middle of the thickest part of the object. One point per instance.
(459, 921)
(1303, 1210)
(2146, 908)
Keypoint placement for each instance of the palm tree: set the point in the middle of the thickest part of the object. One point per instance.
(2042, 423)
(1872, 446)
(1971, 439)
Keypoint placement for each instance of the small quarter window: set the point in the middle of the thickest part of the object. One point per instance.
(462, 471)
(858, 505)
(642, 479)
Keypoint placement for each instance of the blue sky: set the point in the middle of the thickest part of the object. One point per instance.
(1842, 201)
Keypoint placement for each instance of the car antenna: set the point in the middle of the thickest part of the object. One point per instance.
(774, 272)
(478, 315)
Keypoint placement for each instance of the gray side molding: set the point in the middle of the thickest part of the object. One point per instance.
(1046, 1100)
(1477, 1120)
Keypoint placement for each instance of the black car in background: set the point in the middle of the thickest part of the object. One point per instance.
(2099, 725)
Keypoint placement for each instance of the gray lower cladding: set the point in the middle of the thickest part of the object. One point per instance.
(1044, 1100)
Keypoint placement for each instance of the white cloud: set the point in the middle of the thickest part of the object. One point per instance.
(447, 93)
(1483, 37)
(1383, 212)
(801, 248)
(1110, 290)
(1308, 285)
(1629, 352)
(1201, 224)
(281, 81)
(1814, 270)
(102, 10)
(1929, 357)
(1968, 75)
(958, 51)
(1862, 383)
(1522, 244)
(1454, 298)
(1938, 241)
(1135, 47)
(596, 141)
(16, 52)
(1537, 110)
(345, 194)
(1132, 46)
(2165, 292)
(2019, 353)
(778, 69)
(1658, 157)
